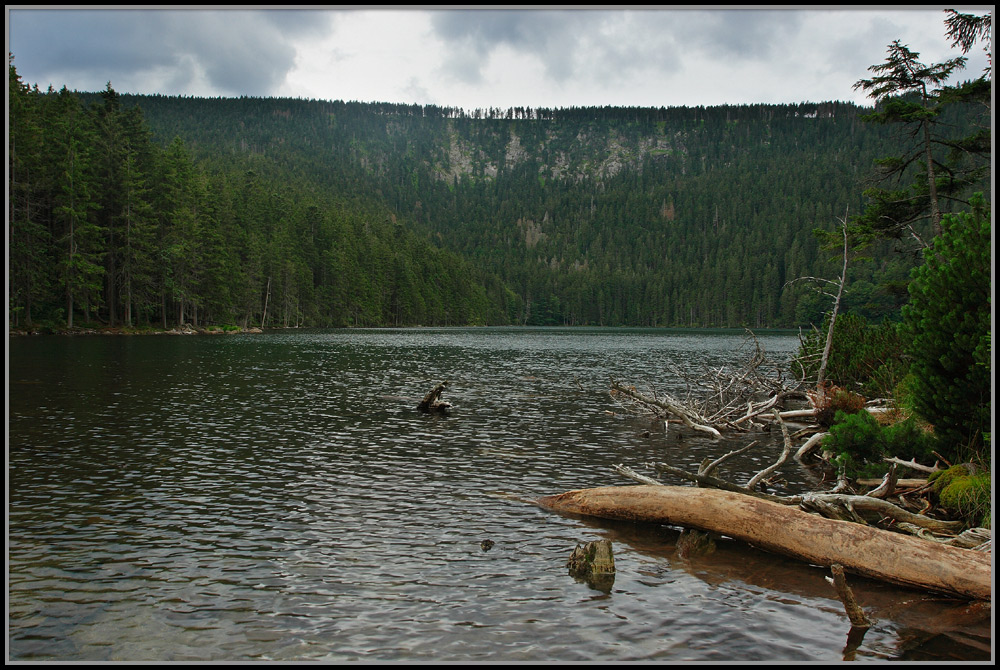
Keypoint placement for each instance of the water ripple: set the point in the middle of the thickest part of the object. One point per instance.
(280, 498)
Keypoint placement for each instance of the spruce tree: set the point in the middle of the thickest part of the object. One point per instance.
(948, 326)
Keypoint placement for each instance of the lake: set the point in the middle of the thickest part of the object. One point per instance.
(278, 497)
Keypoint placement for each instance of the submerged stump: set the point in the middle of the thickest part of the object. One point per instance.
(432, 401)
(593, 563)
(693, 542)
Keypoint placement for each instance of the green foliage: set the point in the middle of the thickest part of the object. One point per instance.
(858, 442)
(861, 443)
(938, 163)
(947, 325)
(865, 358)
(907, 93)
(624, 216)
(109, 226)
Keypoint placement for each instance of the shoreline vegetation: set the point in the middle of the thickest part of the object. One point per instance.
(185, 329)
(188, 329)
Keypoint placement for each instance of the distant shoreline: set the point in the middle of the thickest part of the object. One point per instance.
(118, 330)
(188, 329)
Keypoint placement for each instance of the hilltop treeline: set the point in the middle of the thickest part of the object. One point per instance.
(158, 209)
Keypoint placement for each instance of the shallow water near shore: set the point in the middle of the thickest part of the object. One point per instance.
(278, 497)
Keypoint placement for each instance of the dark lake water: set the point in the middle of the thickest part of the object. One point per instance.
(279, 497)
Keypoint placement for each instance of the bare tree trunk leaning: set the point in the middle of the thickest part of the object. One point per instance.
(821, 375)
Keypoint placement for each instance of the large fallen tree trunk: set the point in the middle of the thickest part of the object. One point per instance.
(861, 549)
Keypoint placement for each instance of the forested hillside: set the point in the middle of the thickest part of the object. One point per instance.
(137, 209)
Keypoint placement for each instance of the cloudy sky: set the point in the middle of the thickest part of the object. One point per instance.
(476, 58)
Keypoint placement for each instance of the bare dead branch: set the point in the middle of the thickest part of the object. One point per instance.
(709, 468)
(752, 484)
(629, 473)
(840, 505)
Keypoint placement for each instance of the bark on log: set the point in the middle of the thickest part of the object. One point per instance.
(870, 552)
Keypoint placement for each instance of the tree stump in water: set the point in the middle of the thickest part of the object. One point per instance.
(432, 401)
(593, 563)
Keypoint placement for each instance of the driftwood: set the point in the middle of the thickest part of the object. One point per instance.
(767, 472)
(664, 405)
(714, 482)
(831, 528)
(848, 507)
(856, 615)
(705, 475)
(809, 446)
(861, 549)
(432, 401)
(907, 483)
(721, 399)
(913, 465)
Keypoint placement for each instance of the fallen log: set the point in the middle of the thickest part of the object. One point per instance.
(864, 550)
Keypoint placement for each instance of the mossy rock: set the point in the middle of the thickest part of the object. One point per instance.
(966, 490)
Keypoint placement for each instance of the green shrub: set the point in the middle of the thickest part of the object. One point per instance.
(858, 441)
(908, 440)
(863, 357)
(861, 444)
(948, 324)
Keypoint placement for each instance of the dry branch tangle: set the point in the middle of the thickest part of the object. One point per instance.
(729, 399)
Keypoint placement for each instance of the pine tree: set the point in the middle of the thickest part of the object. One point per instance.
(81, 239)
(28, 241)
(909, 93)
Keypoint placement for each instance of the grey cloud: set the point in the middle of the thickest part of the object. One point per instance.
(599, 44)
(749, 34)
(473, 34)
(239, 52)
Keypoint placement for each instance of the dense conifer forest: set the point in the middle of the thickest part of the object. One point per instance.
(140, 211)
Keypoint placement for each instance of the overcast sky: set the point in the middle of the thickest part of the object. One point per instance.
(477, 58)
